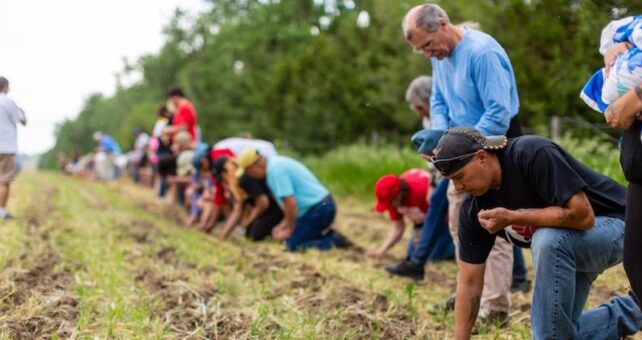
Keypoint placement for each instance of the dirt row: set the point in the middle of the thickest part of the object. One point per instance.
(191, 305)
(37, 290)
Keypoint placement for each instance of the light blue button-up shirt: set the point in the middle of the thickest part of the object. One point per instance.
(474, 87)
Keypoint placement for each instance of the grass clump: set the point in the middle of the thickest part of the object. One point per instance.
(353, 170)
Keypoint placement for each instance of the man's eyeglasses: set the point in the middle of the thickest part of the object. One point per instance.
(427, 47)
(449, 165)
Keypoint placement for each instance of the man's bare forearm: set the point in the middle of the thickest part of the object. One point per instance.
(576, 214)
(470, 282)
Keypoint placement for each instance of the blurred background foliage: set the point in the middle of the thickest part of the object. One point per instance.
(313, 75)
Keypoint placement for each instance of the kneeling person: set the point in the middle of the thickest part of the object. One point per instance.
(308, 207)
(531, 192)
(264, 212)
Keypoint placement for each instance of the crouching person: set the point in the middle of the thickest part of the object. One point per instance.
(531, 192)
(254, 210)
(308, 208)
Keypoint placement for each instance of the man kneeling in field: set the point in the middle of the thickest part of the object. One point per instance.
(308, 207)
(531, 192)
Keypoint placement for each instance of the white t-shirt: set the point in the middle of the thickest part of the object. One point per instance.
(10, 115)
(238, 145)
(141, 142)
(160, 124)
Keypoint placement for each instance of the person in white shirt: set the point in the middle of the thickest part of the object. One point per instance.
(10, 115)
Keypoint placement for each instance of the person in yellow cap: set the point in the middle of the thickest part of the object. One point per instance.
(308, 207)
(254, 208)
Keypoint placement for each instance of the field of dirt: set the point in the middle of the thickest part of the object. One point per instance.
(92, 260)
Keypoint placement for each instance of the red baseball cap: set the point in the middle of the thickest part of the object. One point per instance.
(386, 190)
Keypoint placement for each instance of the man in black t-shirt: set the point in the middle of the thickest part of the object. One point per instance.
(531, 192)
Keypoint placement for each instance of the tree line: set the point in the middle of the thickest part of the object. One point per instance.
(311, 75)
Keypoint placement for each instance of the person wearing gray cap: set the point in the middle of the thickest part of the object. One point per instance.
(534, 194)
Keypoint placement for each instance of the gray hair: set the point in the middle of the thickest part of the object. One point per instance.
(419, 89)
(4, 83)
(427, 18)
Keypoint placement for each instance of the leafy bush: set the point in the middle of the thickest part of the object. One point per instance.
(353, 170)
(598, 154)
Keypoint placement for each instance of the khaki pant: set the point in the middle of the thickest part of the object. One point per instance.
(7, 168)
(499, 265)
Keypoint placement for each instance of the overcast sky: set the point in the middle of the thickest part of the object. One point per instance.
(56, 53)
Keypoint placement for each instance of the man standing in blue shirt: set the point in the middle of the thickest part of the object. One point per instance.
(473, 86)
(308, 207)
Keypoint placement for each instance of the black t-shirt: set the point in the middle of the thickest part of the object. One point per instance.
(536, 173)
(256, 187)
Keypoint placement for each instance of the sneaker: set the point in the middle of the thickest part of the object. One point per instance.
(7, 217)
(520, 286)
(489, 319)
(407, 269)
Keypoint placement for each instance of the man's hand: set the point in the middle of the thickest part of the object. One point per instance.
(495, 220)
(622, 112)
(612, 53)
(282, 231)
(376, 254)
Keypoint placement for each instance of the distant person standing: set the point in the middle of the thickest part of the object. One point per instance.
(107, 150)
(10, 115)
(185, 116)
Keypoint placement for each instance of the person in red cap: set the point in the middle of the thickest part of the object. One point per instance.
(402, 196)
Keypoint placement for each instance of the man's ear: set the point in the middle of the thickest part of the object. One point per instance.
(482, 155)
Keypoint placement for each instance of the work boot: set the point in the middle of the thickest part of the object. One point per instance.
(520, 286)
(407, 269)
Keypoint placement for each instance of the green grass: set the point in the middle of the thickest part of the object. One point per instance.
(598, 154)
(353, 170)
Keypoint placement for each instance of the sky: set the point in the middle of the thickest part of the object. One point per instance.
(56, 53)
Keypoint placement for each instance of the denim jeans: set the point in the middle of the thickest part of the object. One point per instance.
(435, 242)
(312, 230)
(520, 273)
(566, 263)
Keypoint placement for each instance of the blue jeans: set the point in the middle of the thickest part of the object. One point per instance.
(566, 263)
(435, 242)
(520, 273)
(312, 230)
